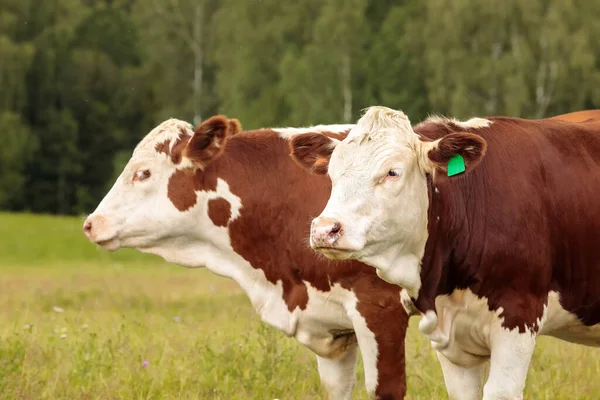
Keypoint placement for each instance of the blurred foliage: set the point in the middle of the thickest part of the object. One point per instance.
(83, 80)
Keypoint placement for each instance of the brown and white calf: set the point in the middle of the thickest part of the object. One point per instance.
(491, 256)
(235, 203)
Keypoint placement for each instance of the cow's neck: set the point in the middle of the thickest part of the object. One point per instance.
(265, 297)
(279, 199)
(442, 269)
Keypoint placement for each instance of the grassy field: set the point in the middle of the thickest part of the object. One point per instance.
(80, 323)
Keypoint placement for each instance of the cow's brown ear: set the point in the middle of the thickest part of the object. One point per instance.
(312, 151)
(470, 147)
(235, 126)
(209, 139)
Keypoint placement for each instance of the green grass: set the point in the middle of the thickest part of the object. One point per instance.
(78, 323)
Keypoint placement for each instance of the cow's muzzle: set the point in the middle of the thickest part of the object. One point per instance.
(96, 229)
(325, 233)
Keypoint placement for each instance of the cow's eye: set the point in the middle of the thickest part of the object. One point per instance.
(141, 175)
(392, 175)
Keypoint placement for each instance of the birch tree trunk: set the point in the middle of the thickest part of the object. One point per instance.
(187, 23)
(198, 61)
(346, 75)
(546, 76)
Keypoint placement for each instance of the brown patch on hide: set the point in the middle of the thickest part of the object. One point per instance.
(183, 185)
(175, 153)
(219, 211)
(179, 190)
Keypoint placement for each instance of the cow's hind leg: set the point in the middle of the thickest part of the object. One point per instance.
(338, 375)
(462, 383)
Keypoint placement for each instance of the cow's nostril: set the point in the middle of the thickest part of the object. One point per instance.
(87, 227)
(336, 228)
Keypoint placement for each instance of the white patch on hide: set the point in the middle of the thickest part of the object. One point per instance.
(368, 347)
(167, 130)
(564, 325)
(289, 133)
(473, 123)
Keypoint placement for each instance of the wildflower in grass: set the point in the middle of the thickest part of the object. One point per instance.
(27, 327)
(145, 363)
(64, 335)
(177, 319)
(58, 309)
(84, 326)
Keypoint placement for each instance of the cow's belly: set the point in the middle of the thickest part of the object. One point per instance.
(564, 325)
(323, 325)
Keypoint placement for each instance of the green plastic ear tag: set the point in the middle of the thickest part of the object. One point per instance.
(456, 165)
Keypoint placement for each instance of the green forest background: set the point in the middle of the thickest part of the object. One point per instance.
(81, 81)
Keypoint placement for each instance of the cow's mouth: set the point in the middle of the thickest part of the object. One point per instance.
(111, 244)
(335, 253)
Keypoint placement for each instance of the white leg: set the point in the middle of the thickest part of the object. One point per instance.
(510, 358)
(338, 376)
(462, 383)
(370, 353)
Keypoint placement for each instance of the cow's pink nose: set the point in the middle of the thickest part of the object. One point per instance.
(325, 232)
(92, 225)
(87, 227)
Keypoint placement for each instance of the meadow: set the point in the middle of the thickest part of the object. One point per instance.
(77, 322)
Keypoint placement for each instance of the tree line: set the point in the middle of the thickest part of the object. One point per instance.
(81, 81)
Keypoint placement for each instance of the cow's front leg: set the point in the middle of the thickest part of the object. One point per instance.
(380, 331)
(462, 383)
(338, 375)
(511, 353)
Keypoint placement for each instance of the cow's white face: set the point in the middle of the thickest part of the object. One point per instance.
(135, 210)
(377, 211)
(145, 209)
